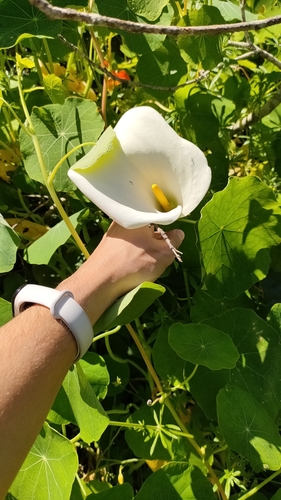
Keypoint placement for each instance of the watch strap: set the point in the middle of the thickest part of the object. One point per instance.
(62, 307)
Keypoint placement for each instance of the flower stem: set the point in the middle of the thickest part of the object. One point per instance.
(259, 486)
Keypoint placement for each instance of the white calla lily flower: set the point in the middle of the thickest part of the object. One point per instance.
(141, 172)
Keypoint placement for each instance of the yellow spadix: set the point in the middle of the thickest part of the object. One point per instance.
(159, 195)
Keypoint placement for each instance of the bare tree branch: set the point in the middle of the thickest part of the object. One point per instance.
(258, 114)
(133, 27)
(129, 83)
(255, 51)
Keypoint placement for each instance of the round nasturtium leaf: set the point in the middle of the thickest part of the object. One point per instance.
(237, 230)
(248, 429)
(203, 345)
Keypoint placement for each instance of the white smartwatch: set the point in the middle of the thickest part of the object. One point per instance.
(62, 306)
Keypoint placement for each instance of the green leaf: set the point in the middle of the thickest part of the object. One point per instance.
(274, 317)
(258, 370)
(5, 311)
(200, 125)
(141, 441)
(150, 9)
(8, 246)
(55, 89)
(119, 492)
(232, 12)
(95, 371)
(237, 229)
(41, 251)
(19, 17)
(59, 129)
(204, 50)
(176, 481)
(248, 429)
(277, 495)
(205, 307)
(164, 67)
(203, 345)
(49, 469)
(76, 402)
(138, 43)
(167, 363)
(129, 307)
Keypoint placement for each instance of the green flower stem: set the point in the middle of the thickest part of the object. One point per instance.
(189, 221)
(191, 375)
(261, 485)
(49, 56)
(121, 360)
(58, 165)
(106, 334)
(32, 89)
(75, 438)
(81, 485)
(67, 221)
(16, 117)
(145, 358)
(23, 103)
(45, 175)
(133, 425)
(70, 62)
(36, 61)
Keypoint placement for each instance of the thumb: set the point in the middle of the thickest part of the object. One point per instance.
(176, 237)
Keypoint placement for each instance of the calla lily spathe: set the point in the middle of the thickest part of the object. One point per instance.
(142, 151)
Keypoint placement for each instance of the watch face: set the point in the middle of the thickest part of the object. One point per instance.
(16, 310)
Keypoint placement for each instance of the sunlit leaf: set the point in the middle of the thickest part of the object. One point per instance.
(49, 469)
(129, 307)
(60, 128)
(55, 88)
(41, 251)
(8, 247)
(96, 372)
(76, 402)
(248, 429)
(237, 229)
(137, 42)
(177, 481)
(5, 311)
(150, 9)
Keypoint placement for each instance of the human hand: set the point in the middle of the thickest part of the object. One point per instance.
(138, 254)
(123, 259)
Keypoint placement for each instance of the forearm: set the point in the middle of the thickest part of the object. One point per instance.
(36, 350)
(38, 360)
